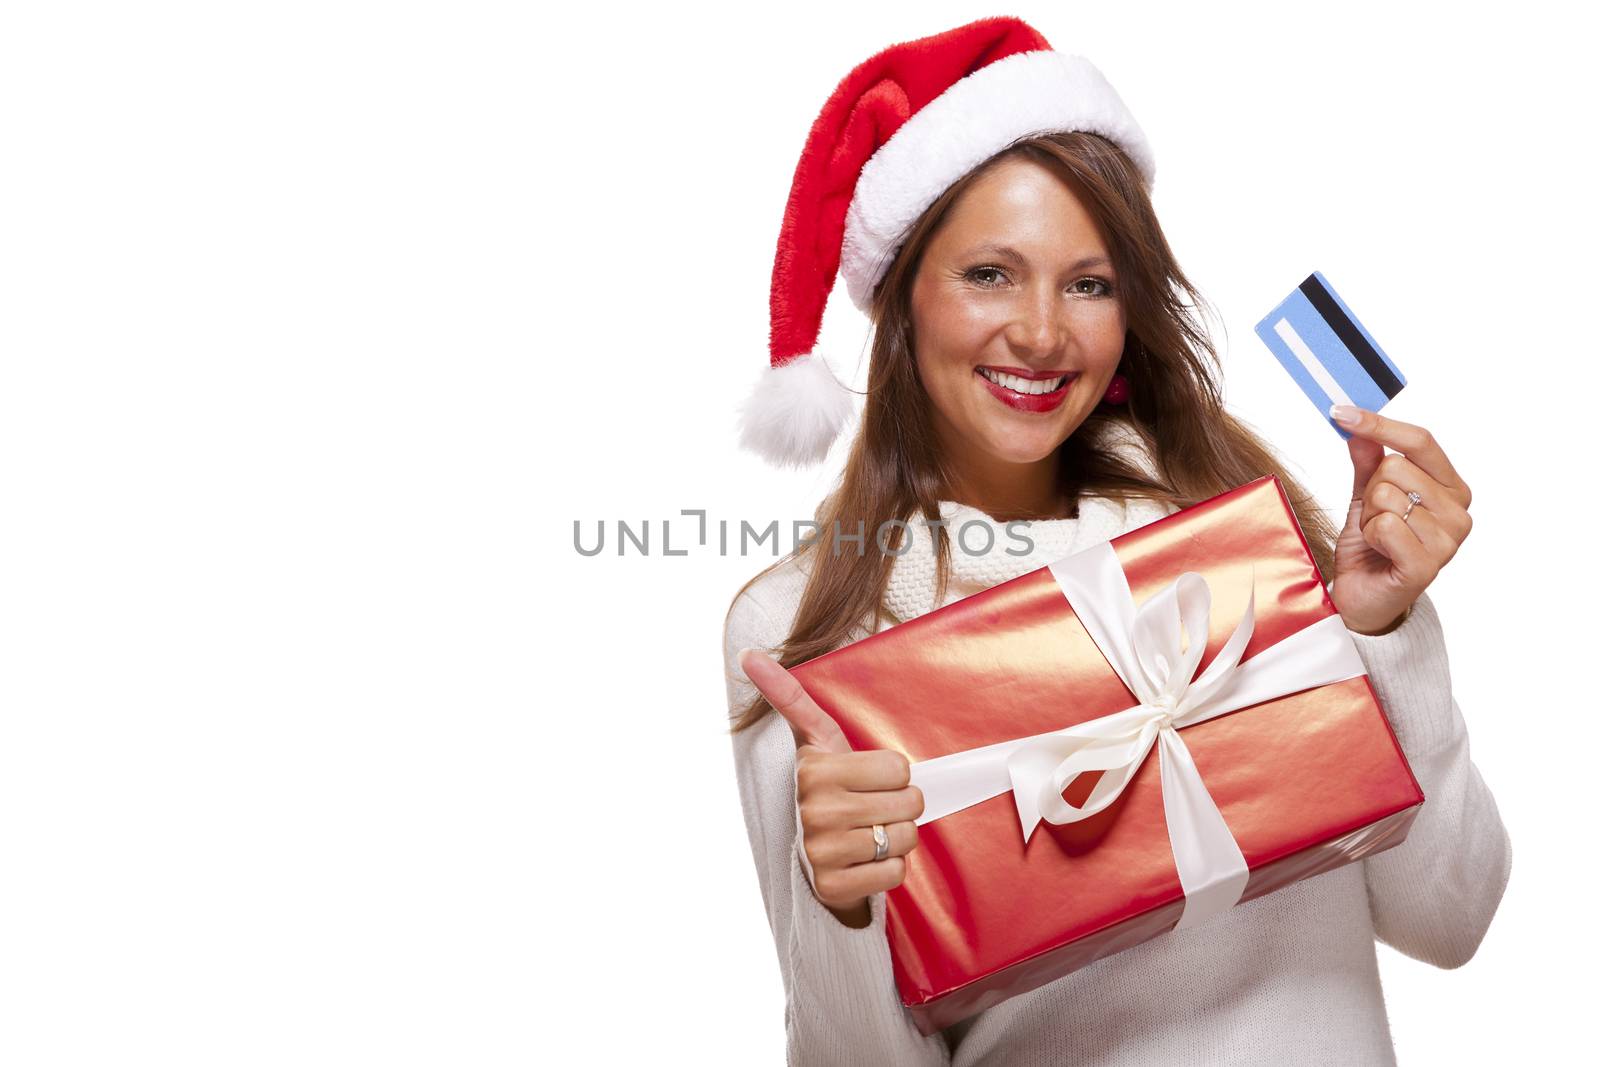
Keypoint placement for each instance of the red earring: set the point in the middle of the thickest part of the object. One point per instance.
(1117, 391)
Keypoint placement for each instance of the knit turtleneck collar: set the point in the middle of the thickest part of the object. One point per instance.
(979, 560)
(985, 552)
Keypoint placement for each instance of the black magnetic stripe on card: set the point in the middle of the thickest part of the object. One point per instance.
(1351, 336)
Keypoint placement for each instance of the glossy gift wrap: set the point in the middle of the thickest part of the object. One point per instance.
(1204, 785)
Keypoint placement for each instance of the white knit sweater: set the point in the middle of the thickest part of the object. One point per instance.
(1288, 977)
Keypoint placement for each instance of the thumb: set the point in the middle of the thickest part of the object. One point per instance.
(810, 724)
(1365, 456)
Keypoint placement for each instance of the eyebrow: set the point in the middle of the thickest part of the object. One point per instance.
(1007, 252)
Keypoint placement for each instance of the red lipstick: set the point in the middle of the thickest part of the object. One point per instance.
(1030, 402)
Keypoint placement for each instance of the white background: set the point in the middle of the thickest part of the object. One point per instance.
(322, 323)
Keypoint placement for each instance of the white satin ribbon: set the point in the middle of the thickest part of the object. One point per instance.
(1146, 646)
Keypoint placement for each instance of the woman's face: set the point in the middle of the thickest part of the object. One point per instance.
(1016, 284)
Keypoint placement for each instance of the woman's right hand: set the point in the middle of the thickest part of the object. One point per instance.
(841, 794)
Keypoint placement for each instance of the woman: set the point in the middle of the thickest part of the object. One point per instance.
(1034, 358)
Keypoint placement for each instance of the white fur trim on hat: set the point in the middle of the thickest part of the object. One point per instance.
(795, 412)
(1023, 94)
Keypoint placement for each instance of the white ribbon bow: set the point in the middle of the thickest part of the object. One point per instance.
(1154, 649)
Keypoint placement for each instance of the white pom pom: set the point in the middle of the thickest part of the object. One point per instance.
(795, 412)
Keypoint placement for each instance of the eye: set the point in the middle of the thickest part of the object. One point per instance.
(976, 274)
(1104, 290)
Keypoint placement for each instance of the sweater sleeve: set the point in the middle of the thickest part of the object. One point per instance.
(842, 1006)
(1433, 895)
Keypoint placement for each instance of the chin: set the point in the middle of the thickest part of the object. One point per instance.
(1011, 449)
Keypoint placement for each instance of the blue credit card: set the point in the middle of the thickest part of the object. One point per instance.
(1326, 350)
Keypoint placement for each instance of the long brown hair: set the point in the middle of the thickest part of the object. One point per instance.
(894, 471)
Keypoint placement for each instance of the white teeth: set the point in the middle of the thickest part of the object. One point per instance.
(1022, 385)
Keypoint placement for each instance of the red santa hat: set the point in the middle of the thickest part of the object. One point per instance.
(900, 129)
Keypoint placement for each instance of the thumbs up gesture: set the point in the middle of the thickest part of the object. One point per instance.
(842, 795)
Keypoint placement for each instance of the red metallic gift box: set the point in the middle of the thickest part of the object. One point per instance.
(1306, 782)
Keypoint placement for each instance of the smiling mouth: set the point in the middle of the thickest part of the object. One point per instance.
(1025, 386)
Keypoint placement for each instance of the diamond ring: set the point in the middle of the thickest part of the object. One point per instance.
(880, 838)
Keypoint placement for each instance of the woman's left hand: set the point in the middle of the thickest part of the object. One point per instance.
(1382, 564)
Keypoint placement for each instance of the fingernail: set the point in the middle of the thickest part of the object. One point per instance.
(1345, 414)
(758, 651)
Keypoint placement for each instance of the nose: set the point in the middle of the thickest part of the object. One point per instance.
(1038, 329)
